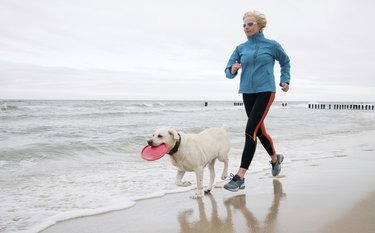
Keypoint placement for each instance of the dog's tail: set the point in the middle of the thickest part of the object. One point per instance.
(225, 127)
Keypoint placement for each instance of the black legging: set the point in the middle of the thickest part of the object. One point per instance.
(256, 106)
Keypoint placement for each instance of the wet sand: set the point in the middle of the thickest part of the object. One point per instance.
(334, 194)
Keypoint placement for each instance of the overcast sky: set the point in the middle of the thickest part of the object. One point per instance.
(172, 49)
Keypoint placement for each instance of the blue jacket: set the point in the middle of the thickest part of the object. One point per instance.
(257, 58)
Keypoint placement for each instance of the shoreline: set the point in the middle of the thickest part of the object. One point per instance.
(333, 194)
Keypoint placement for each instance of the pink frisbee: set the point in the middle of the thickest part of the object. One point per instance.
(152, 153)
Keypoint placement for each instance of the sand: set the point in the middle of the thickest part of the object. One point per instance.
(332, 194)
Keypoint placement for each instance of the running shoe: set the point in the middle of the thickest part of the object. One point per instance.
(276, 167)
(235, 184)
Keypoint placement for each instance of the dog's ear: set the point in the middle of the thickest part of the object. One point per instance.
(174, 133)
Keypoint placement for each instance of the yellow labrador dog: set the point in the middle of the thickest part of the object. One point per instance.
(192, 152)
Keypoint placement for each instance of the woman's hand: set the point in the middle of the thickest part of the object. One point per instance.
(285, 87)
(235, 67)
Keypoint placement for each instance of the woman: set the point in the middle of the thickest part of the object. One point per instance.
(256, 57)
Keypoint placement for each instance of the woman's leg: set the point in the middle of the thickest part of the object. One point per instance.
(267, 142)
(256, 106)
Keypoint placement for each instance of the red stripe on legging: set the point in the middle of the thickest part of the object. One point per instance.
(266, 135)
(272, 97)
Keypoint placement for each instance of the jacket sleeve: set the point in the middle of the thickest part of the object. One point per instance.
(284, 62)
(233, 58)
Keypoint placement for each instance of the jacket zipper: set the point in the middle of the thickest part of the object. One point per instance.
(254, 61)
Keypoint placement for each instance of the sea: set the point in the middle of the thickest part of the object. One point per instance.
(61, 159)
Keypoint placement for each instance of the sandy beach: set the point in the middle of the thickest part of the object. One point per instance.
(331, 194)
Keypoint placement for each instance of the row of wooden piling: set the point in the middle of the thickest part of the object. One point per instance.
(342, 106)
(324, 106)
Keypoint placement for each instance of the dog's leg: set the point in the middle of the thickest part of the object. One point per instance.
(224, 175)
(180, 175)
(199, 175)
(211, 168)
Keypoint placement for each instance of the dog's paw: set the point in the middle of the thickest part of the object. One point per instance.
(197, 196)
(224, 177)
(184, 184)
(207, 191)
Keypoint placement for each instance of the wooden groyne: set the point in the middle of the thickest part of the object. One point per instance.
(342, 106)
(326, 106)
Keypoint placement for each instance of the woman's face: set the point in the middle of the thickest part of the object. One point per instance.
(250, 26)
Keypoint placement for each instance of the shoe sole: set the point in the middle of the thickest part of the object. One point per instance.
(235, 190)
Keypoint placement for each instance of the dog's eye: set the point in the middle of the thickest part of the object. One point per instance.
(160, 136)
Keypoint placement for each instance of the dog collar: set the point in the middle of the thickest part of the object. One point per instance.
(175, 148)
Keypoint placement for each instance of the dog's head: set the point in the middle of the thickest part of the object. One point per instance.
(168, 136)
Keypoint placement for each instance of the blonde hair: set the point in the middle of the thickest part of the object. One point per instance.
(259, 18)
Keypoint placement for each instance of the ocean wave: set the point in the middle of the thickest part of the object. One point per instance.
(50, 221)
(6, 107)
(3, 163)
(118, 205)
(148, 105)
(39, 151)
(125, 112)
(102, 108)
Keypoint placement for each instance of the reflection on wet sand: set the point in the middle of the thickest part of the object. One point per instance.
(215, 224)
